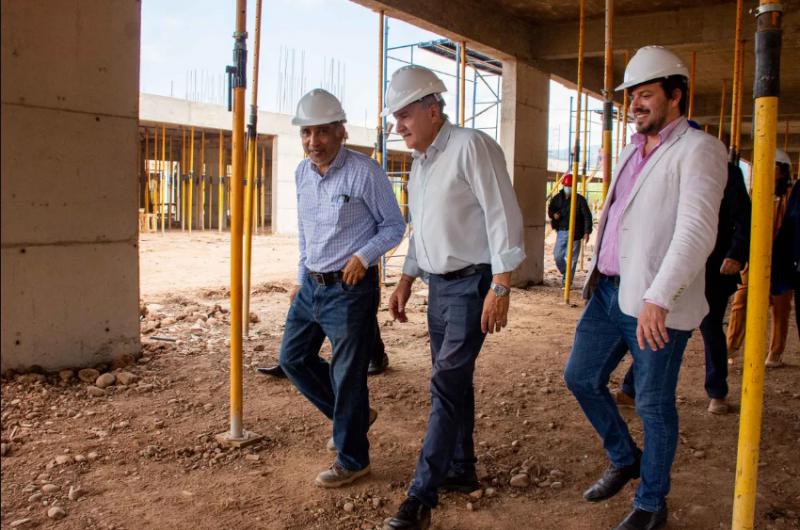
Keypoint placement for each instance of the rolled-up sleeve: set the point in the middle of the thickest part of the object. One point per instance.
(382, 204)
(491, 184)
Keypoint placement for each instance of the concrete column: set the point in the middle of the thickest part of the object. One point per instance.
(70, 263)
(523, 136)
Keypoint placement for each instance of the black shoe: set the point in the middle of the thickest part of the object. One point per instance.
(642, 520)
(613, 480)
(412, 515)
(465, 482)
(274, 371)
(379, 365)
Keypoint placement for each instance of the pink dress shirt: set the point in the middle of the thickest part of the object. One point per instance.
(608, 256)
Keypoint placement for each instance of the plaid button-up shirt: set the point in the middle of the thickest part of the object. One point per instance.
(349, 211)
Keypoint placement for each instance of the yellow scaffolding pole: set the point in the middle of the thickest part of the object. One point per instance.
(182, 176)
(173, 191)
(625, 105)
(379, 128)
(255, 184)
(608, 103)
(189, 198)
(252, 138)
(740, 96)
(462, 74)
(576, 155)
(156, 198)
(736, 80)
(202, 215)
(722, 110)
(220, 184)
(585, 160)
(691, 85)
(162, 181)
(147, 172)
(263, 186)
(238, 82)
(766, 89)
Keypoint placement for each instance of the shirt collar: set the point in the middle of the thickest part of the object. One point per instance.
(439, 143)
(338, 162)
(664, 134)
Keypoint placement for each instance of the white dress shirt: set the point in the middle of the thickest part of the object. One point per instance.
(463, 207)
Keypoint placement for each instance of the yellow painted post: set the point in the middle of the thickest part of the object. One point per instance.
(190, 184)
(740, 96)
(156, 197)
(182, 185)
(255, 185)
(765, 92)
(576, 152)
(463, 84)
(173, 190)
(379, 128)
(608, 102)
(237, 161)
(162, 178)
(221, 183)
(722, 110)
(625, 105)
(202, 214)
(147, 174)
(252, 136)
(691, 85)
(736, 80)
(263, 186)
(585, 162)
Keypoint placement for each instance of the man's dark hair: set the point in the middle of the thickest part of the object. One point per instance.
(673, 82)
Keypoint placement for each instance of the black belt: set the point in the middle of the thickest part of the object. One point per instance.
(331, 278)
(613, 279)
(466, 271)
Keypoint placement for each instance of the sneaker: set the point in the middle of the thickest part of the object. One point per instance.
(718, 406)
(373, 415)
(412, 515)
(623, 399)
(338, 476)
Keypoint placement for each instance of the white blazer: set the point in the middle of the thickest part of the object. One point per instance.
(669, 227)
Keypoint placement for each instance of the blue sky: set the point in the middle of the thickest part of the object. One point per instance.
(182, 38)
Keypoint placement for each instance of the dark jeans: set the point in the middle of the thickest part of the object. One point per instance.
(454, 324)
(346, 315)
(602, 331)
(714, 342)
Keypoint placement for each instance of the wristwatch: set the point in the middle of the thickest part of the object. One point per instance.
(500, 290)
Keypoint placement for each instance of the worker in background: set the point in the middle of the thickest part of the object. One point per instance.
(646, 287)
(723, 266)
(467, 238)
(558, 211)
(786, 254)
(348, 218)
(781, 304)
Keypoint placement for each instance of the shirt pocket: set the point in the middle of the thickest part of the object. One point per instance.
(348, 210)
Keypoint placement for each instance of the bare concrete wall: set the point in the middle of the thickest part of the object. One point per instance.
(523, 134)
(70, 271)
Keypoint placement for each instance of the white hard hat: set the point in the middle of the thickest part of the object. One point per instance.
(651, 63)
(318, 107)
(782, 158)
(409, 84)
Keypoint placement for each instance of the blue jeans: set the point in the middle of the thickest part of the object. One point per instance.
(560, 252)
(454, 325)
(346, 316)
(603, 337)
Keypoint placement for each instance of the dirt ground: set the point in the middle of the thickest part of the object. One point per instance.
(142, 455)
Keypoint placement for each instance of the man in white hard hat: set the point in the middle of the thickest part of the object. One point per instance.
(467, 238)
(646, 283)
(348, 218)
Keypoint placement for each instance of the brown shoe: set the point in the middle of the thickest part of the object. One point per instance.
(773, 361)
(623, 399)
(718, 406)
(373, 415)
(338, 476)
